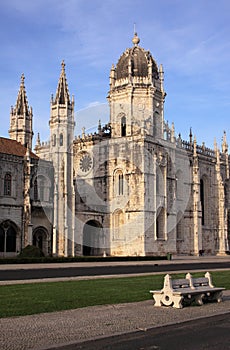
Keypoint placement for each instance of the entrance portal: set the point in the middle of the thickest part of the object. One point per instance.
(93, 238)
(40, 239)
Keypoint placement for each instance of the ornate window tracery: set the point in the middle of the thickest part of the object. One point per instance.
(7, 184)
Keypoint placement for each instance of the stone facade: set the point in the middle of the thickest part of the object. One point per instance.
(133, 187)
(26, 199)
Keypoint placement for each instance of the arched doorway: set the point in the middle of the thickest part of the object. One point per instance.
(93, 238)
(40, 239)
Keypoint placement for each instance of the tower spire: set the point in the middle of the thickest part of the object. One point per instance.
(21, 131)
(62, 93)
(22, 106)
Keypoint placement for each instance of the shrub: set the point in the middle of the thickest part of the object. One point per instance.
(30, 251)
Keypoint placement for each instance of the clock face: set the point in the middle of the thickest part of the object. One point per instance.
(86, 163)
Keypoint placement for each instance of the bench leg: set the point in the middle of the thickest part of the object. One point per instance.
(217, 296)
(177, 301)
(199, 299)
(157, 299)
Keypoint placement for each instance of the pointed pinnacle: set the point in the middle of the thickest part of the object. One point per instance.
(22, 79)
(63, 65)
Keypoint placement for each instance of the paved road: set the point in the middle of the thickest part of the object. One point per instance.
(211, 333)
(55, 272)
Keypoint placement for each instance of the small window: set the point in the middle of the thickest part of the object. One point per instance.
(120, 184)
(7, 185)
(123, 126)
(54, 140)
(36, 190)
(61, 140)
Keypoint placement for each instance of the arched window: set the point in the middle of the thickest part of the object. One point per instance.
(7, 185)
(123, 126)
(160, 224)
(61, 139)
(202, 199)
(54, 140)
(7, 238)
(2, 240)
(157, 182)
(36, 190)
(179, 185)
(155, 123)
(179, 226)
(11, 240)
(118, 183)
(160, 181)
(42, 189)
(228, 228)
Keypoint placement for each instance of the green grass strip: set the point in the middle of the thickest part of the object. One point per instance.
(35, 298)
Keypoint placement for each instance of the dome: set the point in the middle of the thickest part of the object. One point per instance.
(138, 60)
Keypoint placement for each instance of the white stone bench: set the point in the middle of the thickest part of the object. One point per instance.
(178, 292)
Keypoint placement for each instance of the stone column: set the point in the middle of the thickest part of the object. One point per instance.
(197, 233)
(221, 229)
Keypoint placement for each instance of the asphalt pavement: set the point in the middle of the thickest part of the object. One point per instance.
(211, 333)
(64, 271)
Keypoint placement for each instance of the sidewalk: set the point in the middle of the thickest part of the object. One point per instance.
(45, 331)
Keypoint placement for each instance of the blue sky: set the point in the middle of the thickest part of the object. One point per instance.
(190, 39)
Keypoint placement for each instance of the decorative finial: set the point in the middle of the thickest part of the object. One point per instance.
(190, 135)
(99, 126)
(22, 78)
(173, 133)
(135, 39)
(224, 143)
(38, 140)
(27, 152)
(63, 65)
(194, 146)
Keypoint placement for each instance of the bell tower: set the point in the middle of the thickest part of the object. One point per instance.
(21, 117)
(61, 153)
(136, 94)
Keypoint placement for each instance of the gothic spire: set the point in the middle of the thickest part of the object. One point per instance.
(224, 143)
(62, 93)
(22, 107)
(21, 118)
